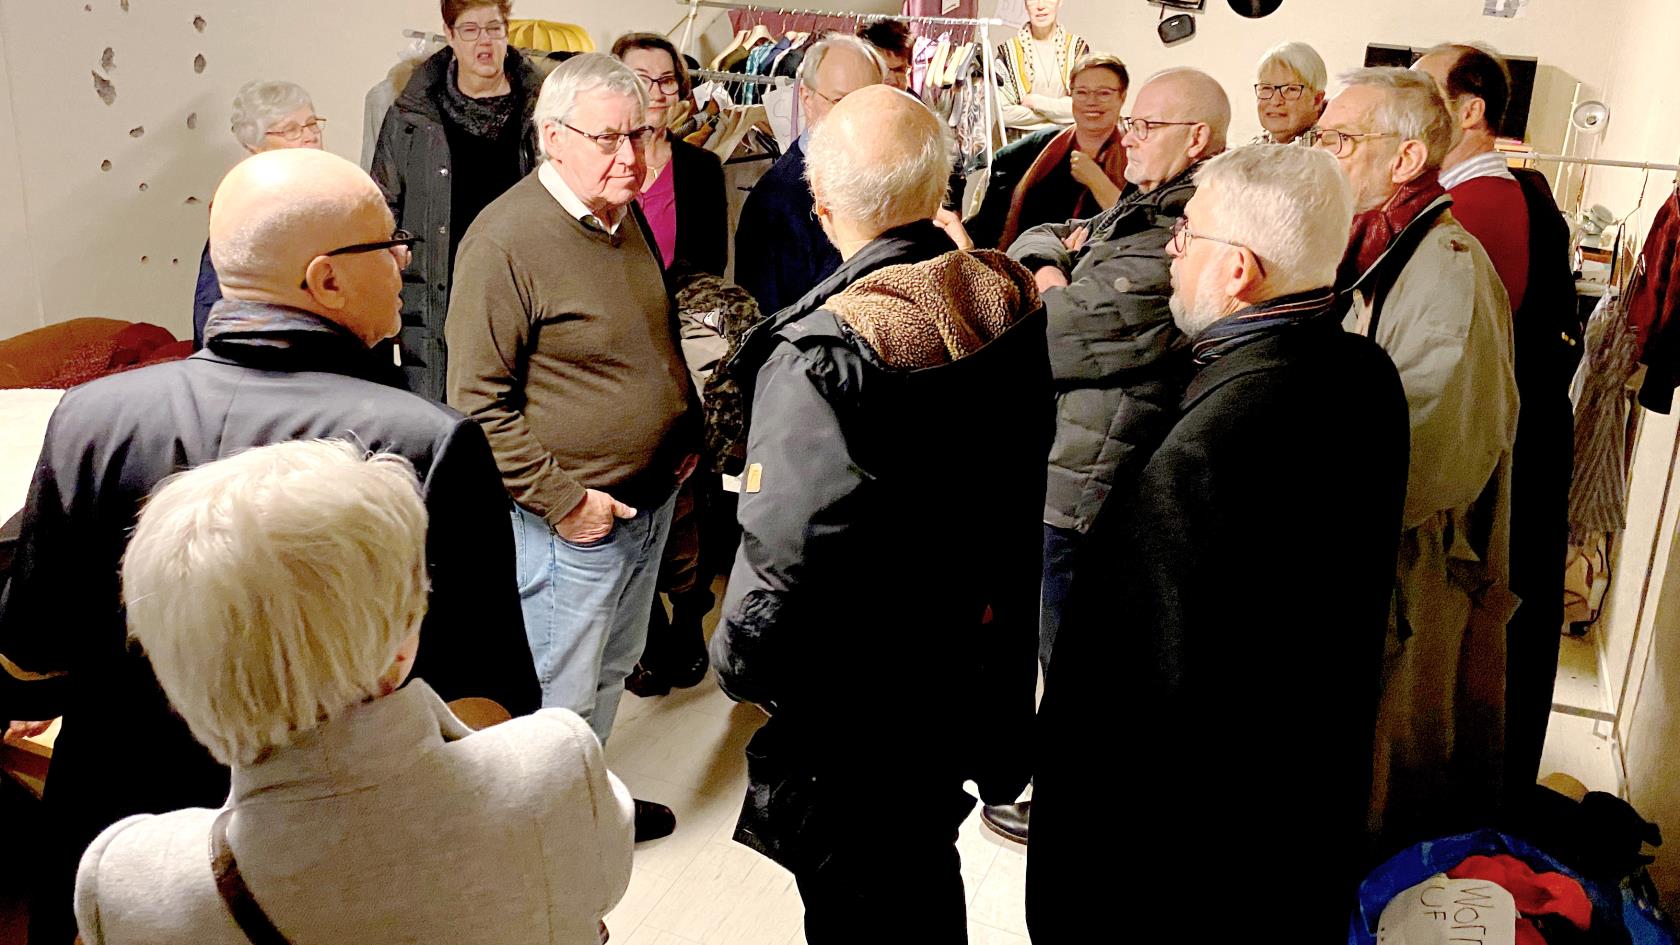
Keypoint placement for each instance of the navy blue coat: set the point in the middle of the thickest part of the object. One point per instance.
(781, 252)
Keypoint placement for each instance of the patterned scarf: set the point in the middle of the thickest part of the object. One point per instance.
(483, 118)
(1374, 230)
(1256, 321)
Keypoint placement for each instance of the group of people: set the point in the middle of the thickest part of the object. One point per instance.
(1257, 454)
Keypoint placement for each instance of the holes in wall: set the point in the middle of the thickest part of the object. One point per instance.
(175, 262)
(199, 24)
(199, 63)
(104, 88)
(105, 165)
(192, 201)
(145, 259)
(125, 6)
(139, 131)
(192, 121)
(144, 186)
(108, 60)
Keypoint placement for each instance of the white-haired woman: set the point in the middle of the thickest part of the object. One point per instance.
(1288, 92)
(267, 115)
(278, 594)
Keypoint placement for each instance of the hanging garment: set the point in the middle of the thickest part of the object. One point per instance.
(1598, 496)
(1652, 299)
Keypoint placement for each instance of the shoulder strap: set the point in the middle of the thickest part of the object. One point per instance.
(247, 914)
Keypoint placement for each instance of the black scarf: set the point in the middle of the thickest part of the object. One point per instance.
(485, 118)
(1269, 317)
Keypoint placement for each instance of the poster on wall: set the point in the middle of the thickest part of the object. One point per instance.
(1504, 8)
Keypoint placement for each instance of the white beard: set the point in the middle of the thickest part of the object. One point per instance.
(1201, 306)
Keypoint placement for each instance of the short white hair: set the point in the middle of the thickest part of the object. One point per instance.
(585, 72)
(1412, 107)
(1290, 206)
(812, 63)
(258, 105)
(1301, 60)
(860, 184)
(272, 590)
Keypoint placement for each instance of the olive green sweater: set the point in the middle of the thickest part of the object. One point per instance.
(563, 345)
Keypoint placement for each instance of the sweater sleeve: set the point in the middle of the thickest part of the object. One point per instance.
(489, 335)
(611, 815)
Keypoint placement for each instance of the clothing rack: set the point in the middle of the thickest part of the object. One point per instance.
(1596, 162)
(709, 75)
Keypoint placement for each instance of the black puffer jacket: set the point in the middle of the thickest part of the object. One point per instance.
(1119, 361)
(896, 504)
(413, 166)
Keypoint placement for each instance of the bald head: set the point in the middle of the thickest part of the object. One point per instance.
(1187, 117)
(880, 160)
(274, 217)
(1196, 96)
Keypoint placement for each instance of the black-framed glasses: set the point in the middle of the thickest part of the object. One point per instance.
(1139, 128)
(610, 141)
(1291, 92)
(1182, 236)
(401, 239)
(1340, 143)
(1095, 95)
(472, 31)
(296, 132)
(667, 83)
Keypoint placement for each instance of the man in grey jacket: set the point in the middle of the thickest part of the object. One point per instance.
(1119, 361)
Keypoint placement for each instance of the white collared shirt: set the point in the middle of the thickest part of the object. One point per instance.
(550, 177)
(1491, 164)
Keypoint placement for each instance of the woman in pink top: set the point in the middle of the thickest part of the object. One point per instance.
(683, 197)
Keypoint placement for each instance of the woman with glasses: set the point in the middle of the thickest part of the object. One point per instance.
(1059, 174)
(683, 196)
(1288, 92)
(267, 116)
(458, 136)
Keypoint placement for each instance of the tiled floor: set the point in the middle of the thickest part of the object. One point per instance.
(698, 886)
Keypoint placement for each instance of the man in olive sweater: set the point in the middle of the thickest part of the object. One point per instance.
(563, 345)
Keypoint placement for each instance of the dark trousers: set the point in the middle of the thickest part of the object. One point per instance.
(1061, 546)
(853, 894)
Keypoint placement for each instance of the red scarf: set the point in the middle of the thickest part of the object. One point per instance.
(1374, 230)
(1111, 157)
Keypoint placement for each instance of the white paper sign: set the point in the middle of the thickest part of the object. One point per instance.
(1503, 8)
(1442, 911)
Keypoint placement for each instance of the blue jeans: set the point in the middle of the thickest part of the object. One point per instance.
(586, 607)
(1061, 546)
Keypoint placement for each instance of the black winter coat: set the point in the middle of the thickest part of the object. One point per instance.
(122, 750)
(895, 508)
(413, 167)
(1227, 628)
(702, 212)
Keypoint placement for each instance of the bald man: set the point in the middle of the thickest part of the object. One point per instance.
(780, 251)
(310, 272)
(890, 540)
(1119, 361)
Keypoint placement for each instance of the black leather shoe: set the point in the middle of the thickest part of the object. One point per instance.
(653, 821)
(646, 683)
(1005, 820)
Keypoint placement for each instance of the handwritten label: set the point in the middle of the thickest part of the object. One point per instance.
(1442, 911)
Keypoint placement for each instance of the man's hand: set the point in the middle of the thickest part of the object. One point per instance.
(685, 469)
(952, 224)
(1076, 240)
(593, 519)
(18, 731)
(1049, 277)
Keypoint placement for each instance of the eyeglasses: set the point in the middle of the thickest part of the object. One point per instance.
(1182, 235)
(1290, 92)
(296, 133)
(1139, 128)
(401, 244)
(610, 141)
(1340, 143)
(667, 83)
(1095, 95)
(472, 31)
(829, 99)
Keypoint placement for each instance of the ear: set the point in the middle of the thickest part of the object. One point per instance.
(1409, 161)
(1471, 113)
(1319, 101)
(551, 131)
(323, 283)
(1200, 137)
(1242, 274)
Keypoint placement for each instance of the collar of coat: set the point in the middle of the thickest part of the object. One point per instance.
(1167, 200)
(273, 337)
(419, 96)
(1400, 249)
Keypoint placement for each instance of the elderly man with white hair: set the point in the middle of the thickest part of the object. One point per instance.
(780, 250)
(304, 244)
(563, 345)
(889, 517)
(267, 116)
(1289, 85)
(279, 595)
(1290, 442)
(1424, 289)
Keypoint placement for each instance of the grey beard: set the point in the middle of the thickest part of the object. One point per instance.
(1194, 311)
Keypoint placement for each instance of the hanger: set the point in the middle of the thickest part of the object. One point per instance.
(760, 34)
(734, 44)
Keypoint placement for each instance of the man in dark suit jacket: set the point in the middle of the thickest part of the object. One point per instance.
(312, 273)
(1236, 602)
(780, 250)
